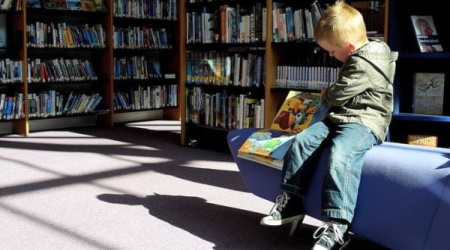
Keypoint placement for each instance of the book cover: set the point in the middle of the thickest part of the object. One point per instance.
(88, 5)
(269, 145)
(74, 5)
(428, 93)
(423, 140)
(426, 34)
(55, 4)
(34, 4)
(100, 6)
(3, 36)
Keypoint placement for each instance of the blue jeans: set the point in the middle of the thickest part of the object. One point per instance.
(347, 144)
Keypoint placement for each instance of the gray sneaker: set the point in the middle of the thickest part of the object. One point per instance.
(331, 235)
(288, 208)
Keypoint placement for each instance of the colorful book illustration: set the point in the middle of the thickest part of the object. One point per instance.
(426, 34)
(268, 146)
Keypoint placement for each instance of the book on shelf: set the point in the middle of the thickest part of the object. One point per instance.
(74, 5)
(100, 6)
(426, 34)
(3, 36)
(423, 140)
(55, 4)
(428, 93)
(269, 145)
(34, 4)
(88, 5)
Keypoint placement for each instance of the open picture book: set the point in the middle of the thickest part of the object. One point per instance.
(269, 145)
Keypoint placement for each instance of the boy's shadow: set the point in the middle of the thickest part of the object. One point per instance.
(224, 226)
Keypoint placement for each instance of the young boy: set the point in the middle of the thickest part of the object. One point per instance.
(360, 109)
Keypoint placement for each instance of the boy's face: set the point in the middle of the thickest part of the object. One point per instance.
(340, 53)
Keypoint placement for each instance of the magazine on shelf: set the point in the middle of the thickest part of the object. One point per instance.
(269, 145)
(428, 93)
(426, 34)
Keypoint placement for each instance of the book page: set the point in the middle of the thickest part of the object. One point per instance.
(297, 111)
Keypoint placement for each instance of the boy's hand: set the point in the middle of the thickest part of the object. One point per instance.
(323, 93)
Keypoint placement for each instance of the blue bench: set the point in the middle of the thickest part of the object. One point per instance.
(404, 195)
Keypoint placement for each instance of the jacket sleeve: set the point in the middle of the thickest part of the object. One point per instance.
(352, 82)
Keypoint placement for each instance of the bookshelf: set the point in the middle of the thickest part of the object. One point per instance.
(277, 52)
(411, 60)
(85, 62)
(224, 78)
(144, 49)
(12, 22)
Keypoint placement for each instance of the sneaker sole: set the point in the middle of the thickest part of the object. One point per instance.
(268, 222)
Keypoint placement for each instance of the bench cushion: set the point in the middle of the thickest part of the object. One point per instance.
(403, 200)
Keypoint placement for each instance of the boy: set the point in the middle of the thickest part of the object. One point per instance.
(360, 110)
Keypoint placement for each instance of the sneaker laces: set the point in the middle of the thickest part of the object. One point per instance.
(281, 201)
(330, 233)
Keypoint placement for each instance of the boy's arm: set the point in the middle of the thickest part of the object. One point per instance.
(352, 82)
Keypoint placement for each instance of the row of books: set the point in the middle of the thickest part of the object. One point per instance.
(10, 71)
(224, 110)
(62, 35)
(305, 77)
(75, 5)
(146, 9)
(11, 107)
(149, 97)
(60, 70)
(221, 68)
(54, 103)
(298, 24)
(141, 38)
(137, 67)
(227, 24)
(201, 1)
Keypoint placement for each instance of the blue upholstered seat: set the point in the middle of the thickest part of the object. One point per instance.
(404, 195)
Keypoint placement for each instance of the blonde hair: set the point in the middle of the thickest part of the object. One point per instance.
(339, 24)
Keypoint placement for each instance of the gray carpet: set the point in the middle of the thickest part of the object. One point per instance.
(131, 187)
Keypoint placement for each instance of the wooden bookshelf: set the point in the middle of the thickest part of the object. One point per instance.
(101, 59)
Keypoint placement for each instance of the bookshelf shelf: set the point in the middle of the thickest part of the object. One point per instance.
(418, 55)
(420, 117)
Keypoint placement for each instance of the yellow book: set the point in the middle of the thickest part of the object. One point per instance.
(423, 140)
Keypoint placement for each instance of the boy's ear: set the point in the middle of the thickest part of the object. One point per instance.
(351, 46)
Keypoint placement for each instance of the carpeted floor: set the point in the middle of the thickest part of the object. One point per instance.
(131, 187)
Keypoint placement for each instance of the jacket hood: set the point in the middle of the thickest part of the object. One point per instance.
(380, 56)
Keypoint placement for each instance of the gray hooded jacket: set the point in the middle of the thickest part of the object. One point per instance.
(364, 92)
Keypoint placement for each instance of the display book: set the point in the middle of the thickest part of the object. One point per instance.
(428, 93)
(423, 140)
(426, 33)
(269, 145)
